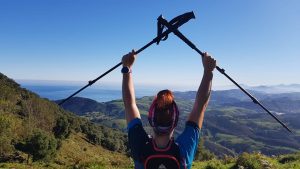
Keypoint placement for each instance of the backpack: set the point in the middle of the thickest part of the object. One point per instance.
(156, 158)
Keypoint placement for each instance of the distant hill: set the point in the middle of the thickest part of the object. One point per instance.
(80, 105)
(280, 103)
(33, 129)
(233, 124)
(267, 89)
(273, 89)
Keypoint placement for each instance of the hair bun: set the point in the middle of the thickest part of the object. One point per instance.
(165, 99)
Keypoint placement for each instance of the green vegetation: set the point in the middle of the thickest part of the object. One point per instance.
(230, 128)
(76, 152)
(93, 157)
(202, 154)
(251, 161)
(62, 128)
(6, 135)
(34, 132)
(40, 145)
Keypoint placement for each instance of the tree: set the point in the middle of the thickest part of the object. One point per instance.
(94, 138)
(62, 128)
(203, 154)
(40, 145)
(5, 135)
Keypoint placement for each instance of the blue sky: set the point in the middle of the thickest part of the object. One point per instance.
(257, 42)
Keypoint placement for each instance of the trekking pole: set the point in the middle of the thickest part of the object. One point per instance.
(164, 22)
(178, 21)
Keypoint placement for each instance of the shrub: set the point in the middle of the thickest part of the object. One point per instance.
(94, 138)
(62, 128)
(215, 164)
(228, 159)
(39, 145)
(287, 159)
(253, 161)
(75, 124)
(110, 144)
(203, 154)
(6, 135)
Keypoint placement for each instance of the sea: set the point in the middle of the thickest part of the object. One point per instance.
(58, 92)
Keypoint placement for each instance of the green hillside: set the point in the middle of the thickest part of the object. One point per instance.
(77, 152)
(37, 132)
(252, 161)
(230, 128)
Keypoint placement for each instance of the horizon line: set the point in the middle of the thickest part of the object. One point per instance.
(139, 86)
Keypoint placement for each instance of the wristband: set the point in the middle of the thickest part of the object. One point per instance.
(126, 70)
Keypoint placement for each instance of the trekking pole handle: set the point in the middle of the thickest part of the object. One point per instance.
(180, 20)
(222, 71)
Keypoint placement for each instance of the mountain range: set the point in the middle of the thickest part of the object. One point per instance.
(37, 133)
(233, 123)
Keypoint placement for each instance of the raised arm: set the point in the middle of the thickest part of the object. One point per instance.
(203, 93)
(131, 110)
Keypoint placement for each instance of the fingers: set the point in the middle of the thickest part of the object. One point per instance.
(133, 51)
(206, 53)
(208, 57)
(131, 54)
(209, 62)
(129, 58)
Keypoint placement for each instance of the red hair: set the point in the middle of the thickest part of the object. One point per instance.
(164, 98)
(163, 113)
(164, 105)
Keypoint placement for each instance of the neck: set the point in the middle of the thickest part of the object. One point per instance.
(162, 140)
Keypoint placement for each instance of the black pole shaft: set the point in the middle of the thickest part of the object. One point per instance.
(105, 73)
(222, 71)
(91, 82)
(253, 98)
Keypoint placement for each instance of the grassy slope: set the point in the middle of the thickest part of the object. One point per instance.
(97, 158)
(77, 152)
(253, 161)
(22, 111)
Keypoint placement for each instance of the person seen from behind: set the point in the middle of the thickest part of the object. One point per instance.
(161, 150)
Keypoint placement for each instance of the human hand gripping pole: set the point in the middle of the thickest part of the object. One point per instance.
(129, 59)
(176, 23)
(165, 23)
